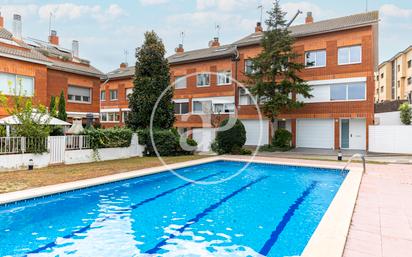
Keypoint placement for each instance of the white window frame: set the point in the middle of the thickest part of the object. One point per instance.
(247, 94)
(225, 76)
(316, 57)
(127, 93)
(197, 79)
(201, 101)
(15, 89)
(225, 106)
(107, 120)
(246, 66)
(348, 48)
(124, 115)
(180, 106)
(110, 94)
(102, 99)
(81, 101)
(181, 79)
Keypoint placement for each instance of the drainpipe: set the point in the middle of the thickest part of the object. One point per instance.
(235, 59)
(100, 100)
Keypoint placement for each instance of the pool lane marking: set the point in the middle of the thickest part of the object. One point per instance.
(134, 206)
(202, 214)
(285, 219)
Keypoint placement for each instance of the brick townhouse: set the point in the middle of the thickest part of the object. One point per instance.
(113, 96)
(43, 69)
(344, 53)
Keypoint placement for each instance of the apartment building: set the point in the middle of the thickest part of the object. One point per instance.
(114, 92)
(344, 52)
(393, 80)
(41, 69)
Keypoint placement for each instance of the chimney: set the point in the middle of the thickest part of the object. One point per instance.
(179, 49)
(17, 26)
(53, 38)
(214, 42)
(75, 48)
(123, 65)
(258, 27)
(1, 21)
(309, 18)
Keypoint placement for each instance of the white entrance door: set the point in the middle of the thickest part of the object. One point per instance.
(253, 132)
(315, 133)
(357, 134)
(204, 138)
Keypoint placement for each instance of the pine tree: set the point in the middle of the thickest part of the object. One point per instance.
(62, 115)
(52, 107)
(275, 70)
(152, 77)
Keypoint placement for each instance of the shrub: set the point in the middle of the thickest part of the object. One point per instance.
(282, 138)
(406, 113)
(166, 141)
(230, 140)
(109, 138)
(2, 131)
(56, 131)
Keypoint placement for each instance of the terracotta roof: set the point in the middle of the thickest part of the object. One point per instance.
(81, 69)
(202, 54)
(336, 24)
(121, 73)
(4, 33)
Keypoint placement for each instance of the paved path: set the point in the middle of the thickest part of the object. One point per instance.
(382, 222)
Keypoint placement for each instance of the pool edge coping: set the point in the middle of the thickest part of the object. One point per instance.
(328, 240)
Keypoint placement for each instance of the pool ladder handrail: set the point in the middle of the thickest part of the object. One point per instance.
(352, 157)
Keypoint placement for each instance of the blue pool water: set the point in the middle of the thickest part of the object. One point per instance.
(268, 210)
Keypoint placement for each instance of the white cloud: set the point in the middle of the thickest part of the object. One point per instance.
(73, 11)
(153, 2)
(392, 10)
(7, 11)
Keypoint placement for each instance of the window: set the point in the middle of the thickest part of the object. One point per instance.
(352, 91)
(377, 78)
(180, 82)
(224, 108)
(410, 81)
(409, 63)
(113, 95)
(398, 83)
(245, 98)
(202, 106)
(79, 94)
(103, 95)
(203, 80)
(11, 84)
(125, 116)
(382, 76)
(109, 117)
(249, 67)
(399, 68)
(129, 91)
(350, 55)
(224, 78)
(315, 59)
(382, 89)
(181, 108)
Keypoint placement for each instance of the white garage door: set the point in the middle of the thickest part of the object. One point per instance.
(315, 133)
(204, 138)
(253, 132)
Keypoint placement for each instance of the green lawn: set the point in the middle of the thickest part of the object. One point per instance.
(19, 180)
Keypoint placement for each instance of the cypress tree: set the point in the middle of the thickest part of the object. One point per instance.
(62, 115)
(275, 70)
(52, 107)
(152, 76)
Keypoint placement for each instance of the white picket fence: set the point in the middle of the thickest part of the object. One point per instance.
(18, 152)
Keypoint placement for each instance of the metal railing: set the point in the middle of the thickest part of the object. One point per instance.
(77, 142)
(16, 145)
(352, 157)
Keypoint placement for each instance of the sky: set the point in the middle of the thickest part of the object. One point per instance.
(109, 31)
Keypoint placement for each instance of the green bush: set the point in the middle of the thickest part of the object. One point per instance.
(2, 131)
(166, 141)
(56, 131)
(282, 138)
(109, 138)
(406, 113)
(231, 140)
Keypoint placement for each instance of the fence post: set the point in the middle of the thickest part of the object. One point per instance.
(80, 142)
(23, 144)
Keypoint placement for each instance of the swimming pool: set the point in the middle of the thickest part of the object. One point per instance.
(268, 210)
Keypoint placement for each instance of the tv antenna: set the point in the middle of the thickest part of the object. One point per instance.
(217, 29)
(50, 22)
(366, 5)
(182, 37)
(126, 55)
(261, 12)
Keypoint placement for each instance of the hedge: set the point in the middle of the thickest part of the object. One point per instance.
(109, 138)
